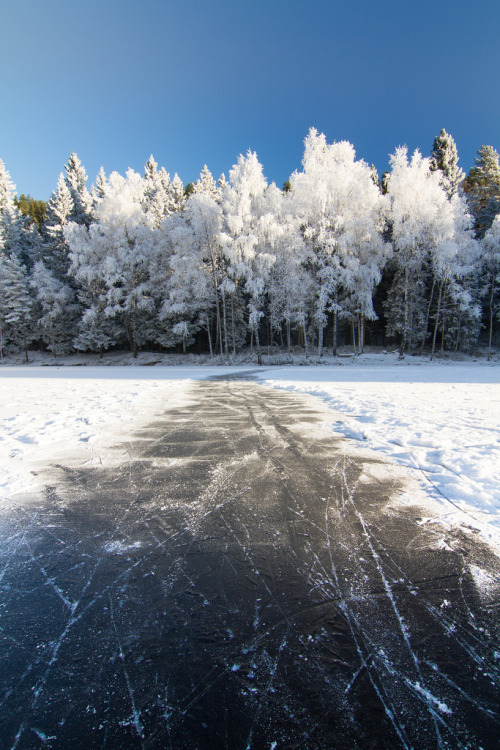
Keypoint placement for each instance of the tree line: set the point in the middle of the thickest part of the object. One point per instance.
(336, 256)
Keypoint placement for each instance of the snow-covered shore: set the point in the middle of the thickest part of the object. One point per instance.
(439, 419)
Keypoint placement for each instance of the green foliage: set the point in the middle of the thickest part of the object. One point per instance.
(445, 158)
(33, 209)
(482, 187)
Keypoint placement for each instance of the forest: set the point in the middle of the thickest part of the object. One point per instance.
(338, 256)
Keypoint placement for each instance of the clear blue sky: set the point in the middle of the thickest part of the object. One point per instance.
(201, 81)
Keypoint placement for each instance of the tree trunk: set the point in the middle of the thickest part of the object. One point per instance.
(438, 311)
(335, 331)
(361, 332)
(224, 322)
(404, 334)
(320, 336)
(218, 338)
(257, 346)
(233, 331)
(492, 296)
(428, 315)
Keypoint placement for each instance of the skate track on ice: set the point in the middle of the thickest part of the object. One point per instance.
(242, 580)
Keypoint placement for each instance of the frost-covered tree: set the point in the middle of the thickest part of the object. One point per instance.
(18, 235)
(60, 209)
(203, 214)
(98, 190)
(7, 188)
(110, 259)
(15, 305)
(491, 270)
(189, 295)
(482, 187)
(76, 180)
(177, 195)
(247, 263)
(157, 193)
(434, 250)
(444, 157)
(415, 197)
(206, 184)
(57, 314)
(289, 286)
(340, 208)
(454, 260)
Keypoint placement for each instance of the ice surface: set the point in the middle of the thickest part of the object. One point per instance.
(441, 420)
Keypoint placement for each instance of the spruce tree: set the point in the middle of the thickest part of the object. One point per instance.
(60, 210)
(482, 187)
(15, 304)
(7, 188)
(76, 179)
(445, 158)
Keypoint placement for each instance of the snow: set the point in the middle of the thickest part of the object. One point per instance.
(48, 414)
(439, 420)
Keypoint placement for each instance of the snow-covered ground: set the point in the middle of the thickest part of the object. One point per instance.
(442, 420)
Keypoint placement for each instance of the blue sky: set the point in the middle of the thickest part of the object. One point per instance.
(202, 81)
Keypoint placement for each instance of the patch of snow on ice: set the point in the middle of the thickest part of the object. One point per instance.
(440, 419)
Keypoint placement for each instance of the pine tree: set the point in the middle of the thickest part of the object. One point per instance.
(445, 158)
(206, 184)
(157, 191)
(7, 188)
(482, 187)
(34, 210)
(76, 179)
(57, 310)
(60, 210)
(98, 190)
(15, 305)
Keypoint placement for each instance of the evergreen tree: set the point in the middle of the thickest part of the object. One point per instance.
(445, 158)
(56, 320)
(482, 187)
(15, 305)
(34, 210)
(98, 190)
(76, 179)
(157, 192)
(60, 210)
(206, 184)
(7, 188)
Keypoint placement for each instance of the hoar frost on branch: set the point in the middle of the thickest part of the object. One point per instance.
(139, 260)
